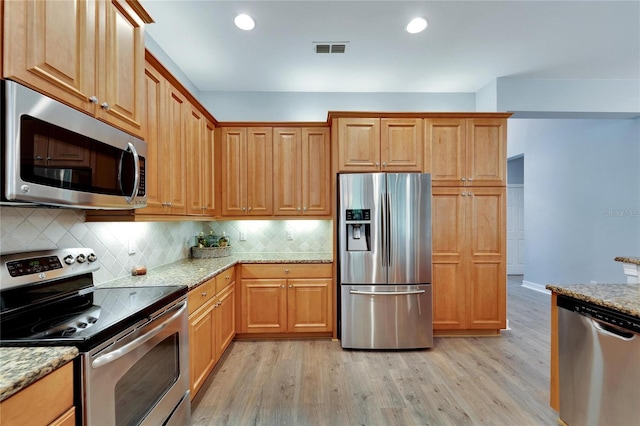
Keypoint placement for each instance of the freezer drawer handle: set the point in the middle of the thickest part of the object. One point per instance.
(386, 293)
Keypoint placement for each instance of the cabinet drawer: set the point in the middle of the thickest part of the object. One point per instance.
(224, 278)
(199, 295)
(287, 270)
(41, 402)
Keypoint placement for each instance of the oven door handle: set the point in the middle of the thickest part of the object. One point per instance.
(115, 354)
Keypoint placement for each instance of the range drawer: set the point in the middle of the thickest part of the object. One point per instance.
(286, 270)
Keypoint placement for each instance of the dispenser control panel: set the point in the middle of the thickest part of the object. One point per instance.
(358, 214)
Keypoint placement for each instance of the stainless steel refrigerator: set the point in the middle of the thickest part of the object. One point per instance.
(384, 240)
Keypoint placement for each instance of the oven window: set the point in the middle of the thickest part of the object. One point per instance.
(147, 381)
(60, 158)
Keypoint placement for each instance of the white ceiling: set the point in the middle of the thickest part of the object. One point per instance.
(466, 45)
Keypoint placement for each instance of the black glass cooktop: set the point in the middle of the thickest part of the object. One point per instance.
(85, 319)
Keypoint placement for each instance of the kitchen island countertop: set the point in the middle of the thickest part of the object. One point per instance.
(619, 297)
(20, 367)
(193, 272)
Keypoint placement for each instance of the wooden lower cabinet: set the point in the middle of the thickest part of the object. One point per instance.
(211, 326)
(286, 298)
(469, 259)
(48, 401)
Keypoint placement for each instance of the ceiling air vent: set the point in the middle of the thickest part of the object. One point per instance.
(330, 47)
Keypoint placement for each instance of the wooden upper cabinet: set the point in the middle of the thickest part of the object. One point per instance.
(247, 156)
(301, 174)
(174, 164)
(358, 144)
(401, 144)
(210, 163)
(194, 141)
(87, 54)
(486, 155)
(380, 144)
(467, 152)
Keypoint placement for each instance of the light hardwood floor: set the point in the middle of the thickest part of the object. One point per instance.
(461, 381)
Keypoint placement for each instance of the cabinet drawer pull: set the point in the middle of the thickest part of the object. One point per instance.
(204, 294)
(227, 277)
(286, 271)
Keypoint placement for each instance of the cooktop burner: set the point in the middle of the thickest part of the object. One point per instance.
(65, 308)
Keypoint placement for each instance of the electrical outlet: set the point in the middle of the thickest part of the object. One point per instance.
(131, 247)
(289, 234)
(243, 236)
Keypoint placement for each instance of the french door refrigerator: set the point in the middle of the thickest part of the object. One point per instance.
(384, 241)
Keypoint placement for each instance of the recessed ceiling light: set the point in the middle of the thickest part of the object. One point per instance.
(416, 25)
(244, 22)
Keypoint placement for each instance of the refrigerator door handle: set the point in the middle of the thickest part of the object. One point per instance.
(386, 293)
(383, 229)
(389, 222)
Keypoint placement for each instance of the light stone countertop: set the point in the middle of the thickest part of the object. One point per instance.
(620, 297)
(632, 260)
(20, 367)
(193, 272)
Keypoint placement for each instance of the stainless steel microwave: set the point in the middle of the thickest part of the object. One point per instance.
(55, 155)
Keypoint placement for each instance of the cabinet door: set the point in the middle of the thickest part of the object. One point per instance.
(309, 305)
(120, 66)
(448, 254)
(447, 140)
(202, 347)
(225, 320)
(50, 46)
(486, 157)
(259, 157)
(316, 171)
(287, 170)
(174, 164)
(264, 306)
(487, 276)
(194, 160)
(210, 163)
(358, 144)
(401, 144)
(155, 172)
(234, 175)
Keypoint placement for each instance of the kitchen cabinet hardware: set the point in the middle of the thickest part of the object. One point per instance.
(93, 99)
(286, 271)
(204, 294)
(105, 106)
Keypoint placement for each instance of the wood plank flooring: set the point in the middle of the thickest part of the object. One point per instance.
(461, 381)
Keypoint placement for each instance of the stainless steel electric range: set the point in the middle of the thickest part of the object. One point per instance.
(133, 341)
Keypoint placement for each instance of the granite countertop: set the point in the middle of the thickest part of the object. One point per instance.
(193, 272)
(632, 260)
(620, 297)
(20, 367)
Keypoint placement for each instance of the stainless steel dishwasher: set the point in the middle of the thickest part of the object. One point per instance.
(599, 357)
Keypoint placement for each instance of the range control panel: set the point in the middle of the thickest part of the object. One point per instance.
(18, 268)
(38, 266)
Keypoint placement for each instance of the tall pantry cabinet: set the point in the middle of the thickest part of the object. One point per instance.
(469, 223)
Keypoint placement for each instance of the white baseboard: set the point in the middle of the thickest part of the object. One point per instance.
(535, 287)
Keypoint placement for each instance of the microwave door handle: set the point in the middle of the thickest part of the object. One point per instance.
(118, 353)
(136, 177)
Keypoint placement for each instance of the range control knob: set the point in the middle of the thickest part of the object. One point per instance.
(69, 260)
(92, 257)
(81, 258)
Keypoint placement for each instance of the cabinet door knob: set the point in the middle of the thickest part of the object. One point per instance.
(249, 209)
(38, 157)
(282, 285)
(463, 179)
(471, 194)
(93, 99)
(384, 164)
(290, 285)
(105, 106)
(464, 194)
(286, 271)
(243, 209)
(304, 208)
(298, 208)
(169, 204)
(470, 179)
(377, 164)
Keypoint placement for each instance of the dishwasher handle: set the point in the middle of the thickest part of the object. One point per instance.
(612, 330)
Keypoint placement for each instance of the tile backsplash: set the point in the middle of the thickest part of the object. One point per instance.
(155, 243)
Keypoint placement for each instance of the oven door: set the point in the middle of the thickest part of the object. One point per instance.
(142, 375)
